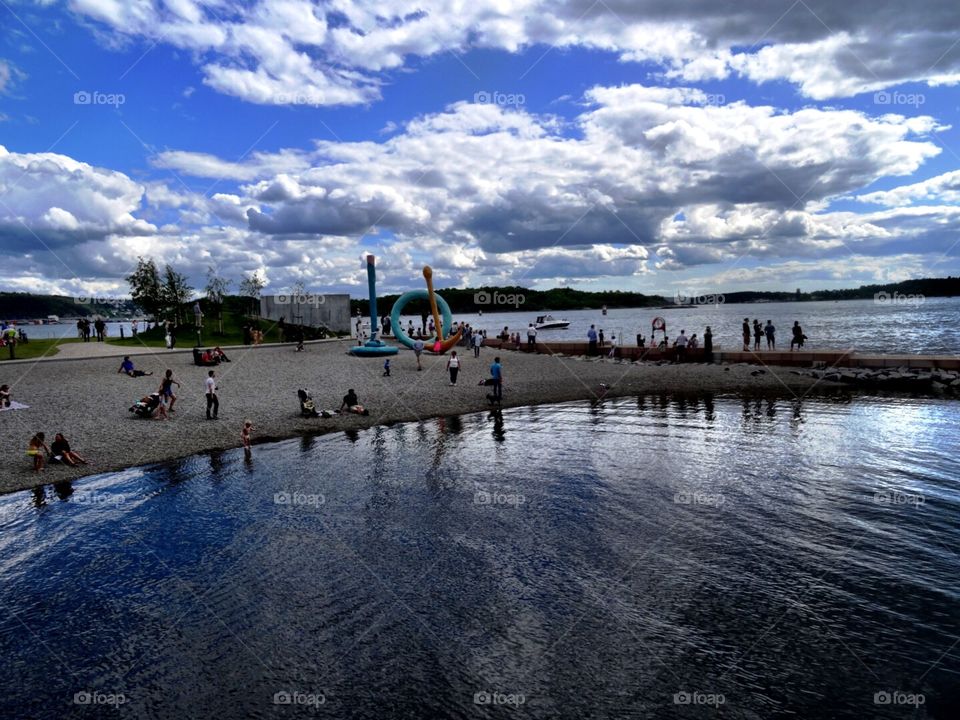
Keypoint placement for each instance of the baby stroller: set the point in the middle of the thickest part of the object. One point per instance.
(145, 407)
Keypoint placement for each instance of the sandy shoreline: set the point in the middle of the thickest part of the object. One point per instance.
(87, 400)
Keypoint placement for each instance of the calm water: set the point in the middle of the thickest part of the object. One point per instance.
(642, 558)
(930, 327)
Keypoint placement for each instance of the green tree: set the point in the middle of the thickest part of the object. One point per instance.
(250, 286)
(145, 287)
(176, 292)
(216, 291)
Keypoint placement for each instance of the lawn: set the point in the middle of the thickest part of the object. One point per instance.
(35, 349)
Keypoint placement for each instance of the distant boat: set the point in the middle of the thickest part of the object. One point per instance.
(53, 319)
(604, 310)
(549, 322)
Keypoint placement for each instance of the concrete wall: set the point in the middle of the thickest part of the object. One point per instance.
(313, 310)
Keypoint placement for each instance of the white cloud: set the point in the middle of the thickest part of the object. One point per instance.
(941, 189)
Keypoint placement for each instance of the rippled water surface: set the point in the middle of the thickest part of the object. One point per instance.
(642, 558)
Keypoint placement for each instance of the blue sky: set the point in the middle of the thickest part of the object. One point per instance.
(603, 146)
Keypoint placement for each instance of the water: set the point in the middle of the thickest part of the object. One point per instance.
(892, 327)
(797, 558)
(68, 329)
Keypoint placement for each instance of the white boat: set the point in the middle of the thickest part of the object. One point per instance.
(549, 322)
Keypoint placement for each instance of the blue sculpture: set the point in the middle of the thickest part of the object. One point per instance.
(373, 347)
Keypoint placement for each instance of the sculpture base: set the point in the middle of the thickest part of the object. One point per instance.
(373, 348)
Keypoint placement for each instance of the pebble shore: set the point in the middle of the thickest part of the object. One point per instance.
(88, 401)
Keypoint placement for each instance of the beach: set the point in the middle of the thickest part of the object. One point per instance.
(88, 401)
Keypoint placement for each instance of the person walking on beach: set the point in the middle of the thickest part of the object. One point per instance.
(245, 438)
(591, 341)
(496, 374)
(708, 345)
(477, 343)
(453, 365)
(531, 337)
(417, 349)
(746, 334)
(36, 449)
(213, 402)
(770, 331)
(166, 390)
(386, 367)
(798, 336)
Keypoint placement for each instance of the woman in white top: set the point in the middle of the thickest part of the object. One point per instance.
(453, 365)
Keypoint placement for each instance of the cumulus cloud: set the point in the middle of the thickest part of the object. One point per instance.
(335, 52)
(941, 189)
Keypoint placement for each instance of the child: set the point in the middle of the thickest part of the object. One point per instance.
(35, 450)
(386, 367)
(245, 437)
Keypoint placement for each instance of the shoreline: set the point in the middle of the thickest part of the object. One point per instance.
(87, 400)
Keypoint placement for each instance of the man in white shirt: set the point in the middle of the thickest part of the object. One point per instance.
(213, 402)
(532, 337)
(682, 346)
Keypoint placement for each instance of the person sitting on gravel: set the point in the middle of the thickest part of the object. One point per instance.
(60, 452)
(4, 396)
(126, 367)
(36, 449)
(351, 403)
(219, 354)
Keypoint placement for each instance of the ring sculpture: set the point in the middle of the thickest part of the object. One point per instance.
(444, 339)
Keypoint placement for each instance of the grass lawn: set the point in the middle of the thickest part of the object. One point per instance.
(35, 349)
(186, 336)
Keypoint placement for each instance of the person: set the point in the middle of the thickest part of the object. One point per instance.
(453, 365)
(496, 374)
(600, 338)
(693, 343)
(746, 334)
(126, 367)
(213, 402)
(219, 355)
(770, 331)
(4, 396)
(640, 340)
(532, 337)
(133, 328)
(351, 403)
(36, 449)
(505, 335)
(166, 390)
(798, 336)
(386, 367)
(708, 345)
(245, 437)
(757, 334)
(282, 329)
(613, 346)
(477, 343)
(60, 452)
(206, 357)
(417, 349)
(592, 341)
(681, 345)
(410, 328)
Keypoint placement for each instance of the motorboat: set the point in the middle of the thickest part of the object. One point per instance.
(549, 322)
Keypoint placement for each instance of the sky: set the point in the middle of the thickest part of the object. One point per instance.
(659, 146)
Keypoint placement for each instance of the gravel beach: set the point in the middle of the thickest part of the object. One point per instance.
(88, 401)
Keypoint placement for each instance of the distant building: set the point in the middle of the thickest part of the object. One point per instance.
(798, 293)
(310, 309)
